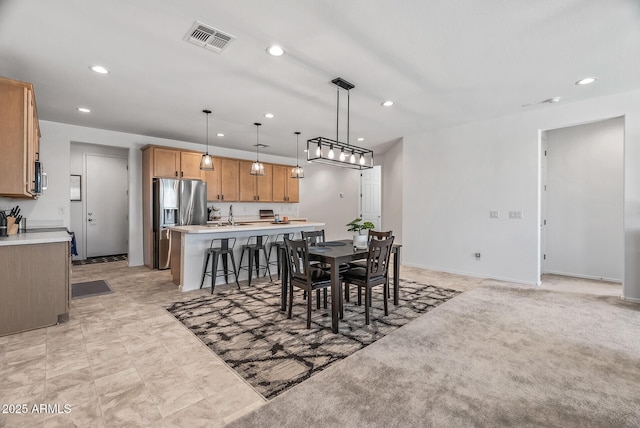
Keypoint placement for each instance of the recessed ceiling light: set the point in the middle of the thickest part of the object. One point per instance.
(269, 115)
(586, 80)
(360, 139)
(387, 103)
(275, 50)
(83, 110)
(99, 69)
(553, 100)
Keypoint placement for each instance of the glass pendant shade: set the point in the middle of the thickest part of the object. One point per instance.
(331, 154)
(257, 168)
(352, 158)
(342, 155)
(206, 162)
(361, 159)
(298, 172)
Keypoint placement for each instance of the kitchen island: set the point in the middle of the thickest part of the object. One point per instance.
(189, 244)
(34, 280)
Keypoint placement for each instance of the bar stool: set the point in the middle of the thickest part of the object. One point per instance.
(253, 246)
(278, 243)
(220, 247)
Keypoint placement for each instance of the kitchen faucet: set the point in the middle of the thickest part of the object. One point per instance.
(231, 221)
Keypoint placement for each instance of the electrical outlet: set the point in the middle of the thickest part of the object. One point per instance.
(493, 214)
(515, 215)
(61, 211)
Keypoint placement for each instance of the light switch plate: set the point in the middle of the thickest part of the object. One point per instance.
(493, 214)
(516, 215)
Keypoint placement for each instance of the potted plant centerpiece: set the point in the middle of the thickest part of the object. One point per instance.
(357, 227)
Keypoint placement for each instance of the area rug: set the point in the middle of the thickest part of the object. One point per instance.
(101, 259)
(89, 289)
(246, 328)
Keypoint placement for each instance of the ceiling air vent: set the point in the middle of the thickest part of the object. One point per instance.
(208, 37)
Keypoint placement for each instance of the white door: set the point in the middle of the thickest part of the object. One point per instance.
(107, 205)
(371, 195)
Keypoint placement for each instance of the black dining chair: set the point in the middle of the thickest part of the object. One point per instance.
(302, 274)
(375, 273)
(372, 234)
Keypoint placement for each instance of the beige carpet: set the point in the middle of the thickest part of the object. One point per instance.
(493, 356)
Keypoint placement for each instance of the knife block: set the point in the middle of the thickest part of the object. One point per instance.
(12, 227)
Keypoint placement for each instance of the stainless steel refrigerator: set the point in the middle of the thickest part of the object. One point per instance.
(175, 203)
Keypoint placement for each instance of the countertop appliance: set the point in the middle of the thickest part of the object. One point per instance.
(267, 214)
(175, 203)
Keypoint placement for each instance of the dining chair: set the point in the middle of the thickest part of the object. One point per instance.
(313, 236)
(372, 234)
(375, 273)
(302, 274)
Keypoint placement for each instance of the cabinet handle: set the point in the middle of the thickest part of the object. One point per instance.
(218, 197)
(176, 173)
(222, 197)
(181, 173)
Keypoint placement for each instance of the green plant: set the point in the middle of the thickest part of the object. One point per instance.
(356, 225)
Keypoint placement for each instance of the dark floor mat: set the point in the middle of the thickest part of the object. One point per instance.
(89, 289)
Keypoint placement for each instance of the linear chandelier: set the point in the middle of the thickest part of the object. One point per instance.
(334, 152)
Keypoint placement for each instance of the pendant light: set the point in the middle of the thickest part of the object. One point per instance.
(206, 163)
(335, 152)
(297, 172)
(257, 168)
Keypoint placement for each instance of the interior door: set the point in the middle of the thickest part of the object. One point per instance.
(107, 208)
(371, 195)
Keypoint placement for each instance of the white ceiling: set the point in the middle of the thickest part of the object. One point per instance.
(443, 62)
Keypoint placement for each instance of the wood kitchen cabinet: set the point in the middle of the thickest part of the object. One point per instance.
(171, 163)
(223, 181)
(285, 188)
(255, 188)
(19, 138)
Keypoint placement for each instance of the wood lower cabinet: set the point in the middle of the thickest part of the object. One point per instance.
(255, 188)
(34, 285)
(19, 139)
(223, 181)
(171, 163)
(285, 188)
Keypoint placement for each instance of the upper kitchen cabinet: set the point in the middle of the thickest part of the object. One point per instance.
(255, 188)
(285, 188)
(222, 182)
(19, 139)
(171, 163)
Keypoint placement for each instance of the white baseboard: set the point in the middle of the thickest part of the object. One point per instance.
(631, 299)
(575, 275)
(473, 275)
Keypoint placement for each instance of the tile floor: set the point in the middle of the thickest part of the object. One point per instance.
(122, 360)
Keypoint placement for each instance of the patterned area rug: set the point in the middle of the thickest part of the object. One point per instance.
(246, 328)
(101, 259)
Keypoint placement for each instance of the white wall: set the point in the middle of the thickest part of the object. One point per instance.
(392, 190)
(584, 201)
(322, 202)
(454, 176)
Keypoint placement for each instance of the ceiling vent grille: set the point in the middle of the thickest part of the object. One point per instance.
(208, 37)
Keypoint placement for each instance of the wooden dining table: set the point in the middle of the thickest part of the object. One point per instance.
(335, 253)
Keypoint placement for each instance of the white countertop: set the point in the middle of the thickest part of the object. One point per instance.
(35, 238)
(244, 227)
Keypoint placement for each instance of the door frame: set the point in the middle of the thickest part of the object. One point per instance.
(542, 203)
(84, 189)
(361, 198)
